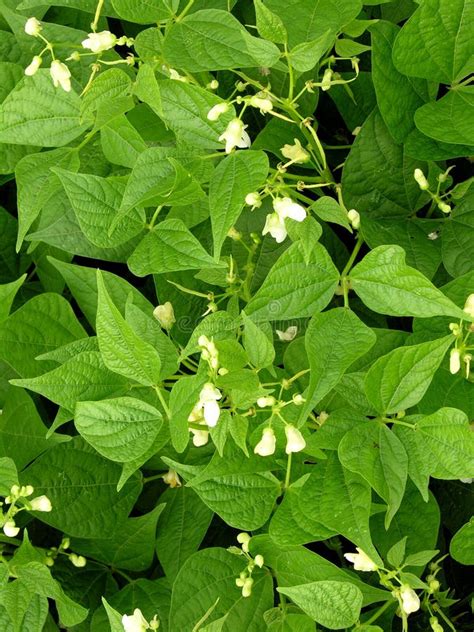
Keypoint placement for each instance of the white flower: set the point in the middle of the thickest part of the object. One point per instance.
(32, 69)
(174, 74)
(288, 335)
(298, 399)
(261, 102)
(33, 27)
(98, 42)
(445, 208)
(454, 361)
(235, 136)
(259, 561)
(253, 199)
(77, 560)
(266, 445)
(294, 440)
(247, 587)
(421, 180)
(244, 539)
(466, 480)
(200, 437)
(435, 626)
(326, 81)
(285, 207)
(410, 600)
(469, 305)
(354, 218)
(135, 622)
(208, 398)
(275, 225)
(361, 561)
(262, 402)
(10, 529)
(217, 110)
(164, 314)
(41, 503)
(295, 152)
(60, 75)
(172, 479)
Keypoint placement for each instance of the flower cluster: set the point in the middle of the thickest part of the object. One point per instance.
(424, 185)
(136, 622)
(459, 353)
(58, 70)
(245, 579)
(283, 208)
(295, 441)
(17, 501)
(205, 413)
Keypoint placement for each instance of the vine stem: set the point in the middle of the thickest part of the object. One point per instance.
(348, 267)
(163, 402)
(98, 11)
(288, 470)
(377, 613)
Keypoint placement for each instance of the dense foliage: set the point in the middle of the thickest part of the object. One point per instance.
(236, 315)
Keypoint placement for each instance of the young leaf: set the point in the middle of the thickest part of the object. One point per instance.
(258, 346)
(269, 25)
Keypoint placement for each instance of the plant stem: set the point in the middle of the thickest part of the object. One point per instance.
(98, 10)
(163, 402)
(288, 471)
(377, 613)
(347, 269)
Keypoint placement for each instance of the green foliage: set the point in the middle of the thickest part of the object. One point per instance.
(236, 315)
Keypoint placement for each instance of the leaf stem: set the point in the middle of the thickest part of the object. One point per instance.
(378, 612)
(288, 471)
(347, 268)
(163, 402)
(98, 11)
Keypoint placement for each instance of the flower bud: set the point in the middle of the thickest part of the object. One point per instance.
(253, 199)
(41, 503)
(10, 529)
(164, 314)
(296, 153)
(467, 358)
(135, 622)
(454, 361)
(60, 75)
(298, 399)
(172, 479)
(326, 81)
(217, 110)
(263, 402)
(244, 539)
(434, 585)
(32, 69)
(235, 136)
(435, 626)
(247, 587)
(15, 491)
(77, 560)
(213, 85)
(65, 543)
(259, 561)
(267, 444)
(261, 102)
(322, 417)
(354, 218)
(445, 208)
(361, 561)
(469, 305)
(33, 27)
(288, 335)
(294, 440)
(234, 234)
(421, 180)
(410, 600)
(99, 42)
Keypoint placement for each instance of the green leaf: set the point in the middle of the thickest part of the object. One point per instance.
(8, 292)
(121, 429)
(294, 288)
(183, 397)
(396, 554)
(114, 617)
(388, 286)
(330, 211)
(8, 475)
(235, 177)
(95, 201)
(121, 143)
(43, 323)
(269, 25)
(122, 350)
(398, 96)
(306, 55)
(462, 544)
(377, 178)
(398, 380)
(84, 377)
(451, 119)
(111, 85)
(206, 582)
(375, 453)
(82, 488)
(346, 47)
(333, 341)
(215, 40)
(169, 247)
(306, 20)
(130, 546)
(336, 605)
(436, 42)
(145, 12)
(458, 233)
(182, 527)
(258, 346)
(53, 120)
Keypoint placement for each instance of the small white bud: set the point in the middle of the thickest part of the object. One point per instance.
(354, 218)
(33, 67)
(27, 490)
(410, 600)
(469, 305)
(33, 27)
(267, 444)
(164, 314)
(261, 102)
(326, 81)
(213, 85)
(445, 208)
(294, 440)
(259, 561)
(253, 199)
(99, 42)
(15, 491)
(263, 402)
(421, 180)
(244, 539)
(454, 361)
(10, 529)
(247, 587)
(296, 153)
(361, 561)
(217, 110)
(435, 626)
(60, 75)
(77, 560)
(41, 503)
(135, 622)
(298, 399)
(322, 417)
(172, 479)
(288, 335)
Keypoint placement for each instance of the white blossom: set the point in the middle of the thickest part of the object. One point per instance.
(410, 600)
(421, 179)
(77, 560)
(253, 199)
(41, 503)
(261, 102)
(10, 529)
(275, 225)
(296, 153)
(32, 68)
(259, 561)
(288, 335)
(60, 75)
(454, 361)
(326, 81)
(294, 440)
(172, 479)
(208, 398)
(354, 218)
(445, 208)
(247, 587)
(469, 305)
(266, 445)
(244, 539)
(235, 136)
(33, 27)
(135, 622)
(217, 110)
(99, 42)
(164, 314)
(262, 402)
(361, 561)
(285, 207)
